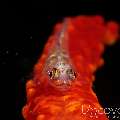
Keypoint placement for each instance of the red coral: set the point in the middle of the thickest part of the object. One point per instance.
(87, 36)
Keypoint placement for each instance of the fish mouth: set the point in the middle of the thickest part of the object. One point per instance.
(61, 85)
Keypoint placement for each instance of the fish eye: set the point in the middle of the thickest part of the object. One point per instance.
(71, 74)
(54, 73)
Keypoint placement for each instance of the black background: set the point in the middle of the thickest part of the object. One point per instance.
(28, 26)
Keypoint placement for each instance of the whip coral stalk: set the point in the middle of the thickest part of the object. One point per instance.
(61, 87)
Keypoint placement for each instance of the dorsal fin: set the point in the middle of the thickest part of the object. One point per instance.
(62, 36)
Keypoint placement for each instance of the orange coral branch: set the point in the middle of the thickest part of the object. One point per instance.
(86, 38)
